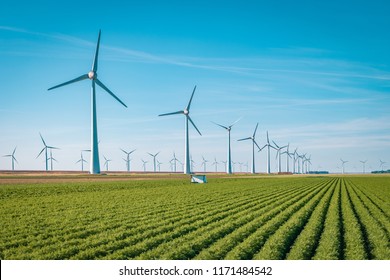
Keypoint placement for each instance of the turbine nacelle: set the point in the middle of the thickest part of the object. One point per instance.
(186, 112)
(92, 75)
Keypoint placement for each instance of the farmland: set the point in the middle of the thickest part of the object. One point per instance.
(291, 217)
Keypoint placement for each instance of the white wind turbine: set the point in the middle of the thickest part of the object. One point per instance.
(186, 113)
(174, 160)
(51, 158)
(229, 151)
(154, 160)
(364, 165)
(92, 75)
(159, 165)
(106, 161)
(382, 164)
(204, 161)
(144, 164)
(253, 147)
(127, 160)
(269, 146)
(46, 155)
(288, 156)
(343, 162)
(81, 160)
(13, 159)
(279, 155)
(216, 164)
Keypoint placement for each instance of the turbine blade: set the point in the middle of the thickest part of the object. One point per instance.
(276, 144)
(194, 124)
(41, 152)
(256, 144)
(254, 133)
(53, 148)
(192, 95)
(220, 125)
(109, 91)
(44, 143)
(123, 151)
(14, 151)
(267, 138)
(242, 139)
(173, 113)
(82, 77)
(236, 121)
(95, 60)
(15, 160)
(132, 151)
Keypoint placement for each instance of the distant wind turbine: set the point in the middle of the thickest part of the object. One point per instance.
(216, 164)
(45, 148)
(174, 160)
(382, 164)
(13, 159)
(81, 160)
(269, 146)
(154, 160)
(186, 113)
(51, 158)
(159, 165)
(144, 164)
(204, 161)
(229, 151)
(252, 138)
(106, 161)
(279, 155)
(343, 162)
(288, 156)
(364, 165)
(92, 75)
(127, 160)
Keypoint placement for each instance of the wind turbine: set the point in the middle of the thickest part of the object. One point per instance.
(343, 162)
(174, 160)
(127, 160)
(186, 113)
(144, 164)
(288, 156)
(364, 165)
(269, 146)
(106, 161)
(159, 165)
(253, 147)
(92, 75)
(45, 149)
(51, 160)
(278, 154)
(381, 165)
(225, 163)
(229, 152)
(154, 160)
(82, 160)
(204, 161)
(13, 159)
(216, 164)
(295, 154)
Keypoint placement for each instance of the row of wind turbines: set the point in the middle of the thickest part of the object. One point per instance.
(301, 163)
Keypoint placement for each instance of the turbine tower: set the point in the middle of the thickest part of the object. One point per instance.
(186, 113)
(92, 75)
(127, 160)
(45, 149)
(13, 159)
(253, 147)
(154, 160)
(364, 165)
(229, 151)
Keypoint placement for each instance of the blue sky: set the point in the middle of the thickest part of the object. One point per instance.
(315, 74)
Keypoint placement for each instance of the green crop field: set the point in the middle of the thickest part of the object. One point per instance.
(292, 217)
